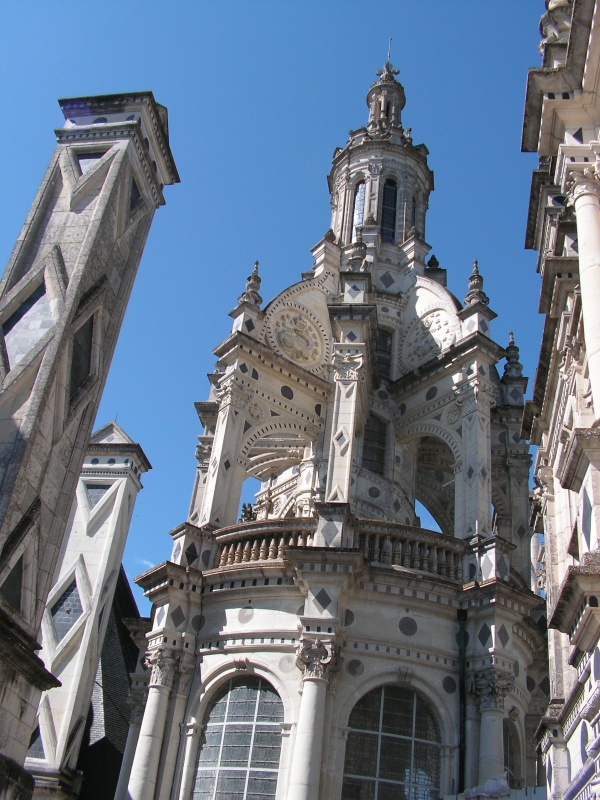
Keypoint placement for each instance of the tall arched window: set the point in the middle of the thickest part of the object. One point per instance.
(239, 757)
(359, 208)
(388, 211)
(394, 747)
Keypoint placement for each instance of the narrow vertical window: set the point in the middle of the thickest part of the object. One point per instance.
(388, 211)
(81, 362)
(384, 352)
(374, 445)
(359, 208)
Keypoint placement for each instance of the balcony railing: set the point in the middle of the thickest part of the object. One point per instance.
(382, 544)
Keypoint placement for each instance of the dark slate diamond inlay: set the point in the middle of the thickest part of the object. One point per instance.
(243, 368)
(470, 473)
(351, 336)
(177, 616)
(227, 463)
(502, 568)
(396, 505)
(249, 325)
(191, 553)
(387, 280)
(354, 291)
(323, 599)
(503, 635)
(515, 393)
(484, 634)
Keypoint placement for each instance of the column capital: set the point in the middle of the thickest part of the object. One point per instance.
(582, 183)
(316, 658)
(162, 665)
(490, 687)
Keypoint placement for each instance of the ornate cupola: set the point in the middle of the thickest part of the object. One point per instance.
(385, 99)
(380, 185)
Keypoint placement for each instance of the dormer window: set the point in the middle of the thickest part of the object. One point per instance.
(388, 211)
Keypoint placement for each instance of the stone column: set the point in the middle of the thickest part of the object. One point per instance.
(147, 755)
(316, 659)
(136, 701)
(179, 698)
(491, 686)
(192, 732)
(585, 197)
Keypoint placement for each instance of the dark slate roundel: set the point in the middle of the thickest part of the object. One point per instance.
(198, 622)
(245, 614)
(382, 394)
(408, 626)
(287, 663)
(516, 668)
(318, 409)
(530, 683)
(467, 637)
(402, 408)
(349, 618)
(374, 492)
(355, 667)
(449, 684)
(431, 393)
(287, 393)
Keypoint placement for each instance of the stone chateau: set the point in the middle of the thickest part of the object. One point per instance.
(319, 643)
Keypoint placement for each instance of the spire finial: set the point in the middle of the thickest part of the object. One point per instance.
(476, 293)
(251, 294)
(389, 58)
(513, 367)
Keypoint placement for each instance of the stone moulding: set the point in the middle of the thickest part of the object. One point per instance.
(583, 449)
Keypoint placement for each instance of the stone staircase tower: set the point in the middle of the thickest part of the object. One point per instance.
(62, 300)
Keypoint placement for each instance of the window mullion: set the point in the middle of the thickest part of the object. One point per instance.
(223, 726)
(254, 723)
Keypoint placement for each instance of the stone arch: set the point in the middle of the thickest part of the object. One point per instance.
(421, 684)
(223, 673)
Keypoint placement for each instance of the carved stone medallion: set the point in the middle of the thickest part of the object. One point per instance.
(296, 334)
(426, 337)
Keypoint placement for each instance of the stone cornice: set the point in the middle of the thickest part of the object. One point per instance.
(582, 449)
(18, 650)
(117, 447)
(579, 586)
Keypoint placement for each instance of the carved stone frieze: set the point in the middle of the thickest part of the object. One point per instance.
(316, 658)
(137, 701)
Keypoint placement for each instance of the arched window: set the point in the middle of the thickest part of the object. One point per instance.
(393, 748)
(383, 347)
(512, 761)
(388, 211)
(359, 208)
(373, 456)
(239, 757)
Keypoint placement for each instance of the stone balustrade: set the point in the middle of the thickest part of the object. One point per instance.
(409, 547)
(382, 544)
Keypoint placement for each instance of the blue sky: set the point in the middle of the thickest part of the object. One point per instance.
(259, 94)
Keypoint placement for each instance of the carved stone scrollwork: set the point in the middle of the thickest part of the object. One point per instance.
(316, 659)
(490, 687)
(555, 24)
(162, 668)
(185, 674)
(348, 366)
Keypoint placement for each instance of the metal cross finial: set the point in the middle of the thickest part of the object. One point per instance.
(389, 49)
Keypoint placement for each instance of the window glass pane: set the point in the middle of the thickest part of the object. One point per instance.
(269, 706)
(426, 726)
(236, 745)
(205, 785)
(81, 361)
(359, 208)
(374, 445)
(265, 750)
(263, 786)
(398, 711)
(395, 759)
(361, 752)
(388, 211)
(427, 764)
(365, 714)
(355, 789)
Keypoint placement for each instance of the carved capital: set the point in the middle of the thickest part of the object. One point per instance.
(162, 666)
(316, 659)
(185, 674)
(582, 184)
(490, 686)
(348, 366)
